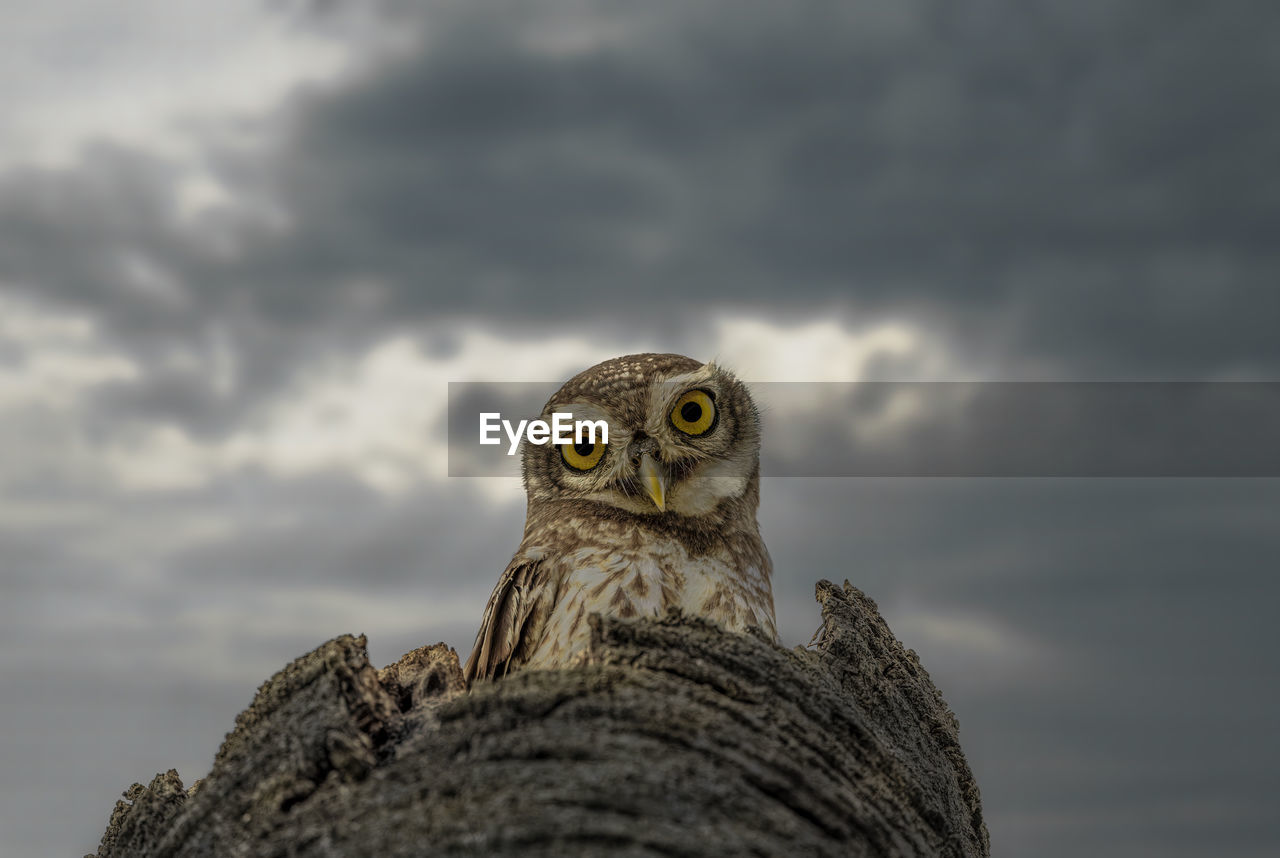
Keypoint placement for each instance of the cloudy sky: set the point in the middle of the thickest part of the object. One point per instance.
(244, 250)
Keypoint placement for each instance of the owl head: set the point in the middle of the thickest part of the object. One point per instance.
(684, 438)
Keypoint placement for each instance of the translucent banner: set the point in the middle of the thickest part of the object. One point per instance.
(953, 429)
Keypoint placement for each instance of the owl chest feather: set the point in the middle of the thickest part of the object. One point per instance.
(646, 579)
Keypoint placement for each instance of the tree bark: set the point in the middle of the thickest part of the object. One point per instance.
(674, 738)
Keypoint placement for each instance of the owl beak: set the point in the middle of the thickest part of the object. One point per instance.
(654, 480)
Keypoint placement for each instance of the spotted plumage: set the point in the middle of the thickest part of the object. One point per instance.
(662, 516)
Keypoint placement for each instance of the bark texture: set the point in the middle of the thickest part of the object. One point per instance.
(675, 738)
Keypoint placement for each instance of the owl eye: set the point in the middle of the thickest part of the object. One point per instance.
(583, 456)
(694, 413)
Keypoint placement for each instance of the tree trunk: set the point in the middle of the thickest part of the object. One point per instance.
(675, 738)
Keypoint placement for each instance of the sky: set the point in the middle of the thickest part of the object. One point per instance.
(244, 250)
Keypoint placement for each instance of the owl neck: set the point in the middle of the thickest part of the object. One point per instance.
(732, 516)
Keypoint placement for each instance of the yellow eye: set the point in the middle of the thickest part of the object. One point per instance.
(695, 413)
(582, 457)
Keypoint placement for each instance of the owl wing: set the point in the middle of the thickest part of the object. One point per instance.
(520, 599)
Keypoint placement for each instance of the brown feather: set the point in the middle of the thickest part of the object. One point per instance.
(506, 618)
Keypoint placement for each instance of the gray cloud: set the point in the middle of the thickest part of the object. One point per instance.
(966, 158)
(1096, 171)
(1086, 185)
(1082, 191)
(334, 532)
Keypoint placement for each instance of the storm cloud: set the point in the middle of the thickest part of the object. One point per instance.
(244, 252)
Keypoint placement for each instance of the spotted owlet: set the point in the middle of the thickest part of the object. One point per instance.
(662, 516)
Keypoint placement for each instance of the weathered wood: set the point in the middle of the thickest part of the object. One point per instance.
(675, 738)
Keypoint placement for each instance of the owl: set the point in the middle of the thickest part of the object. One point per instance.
(662, 516)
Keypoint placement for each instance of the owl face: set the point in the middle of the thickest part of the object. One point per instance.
(683, 437)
